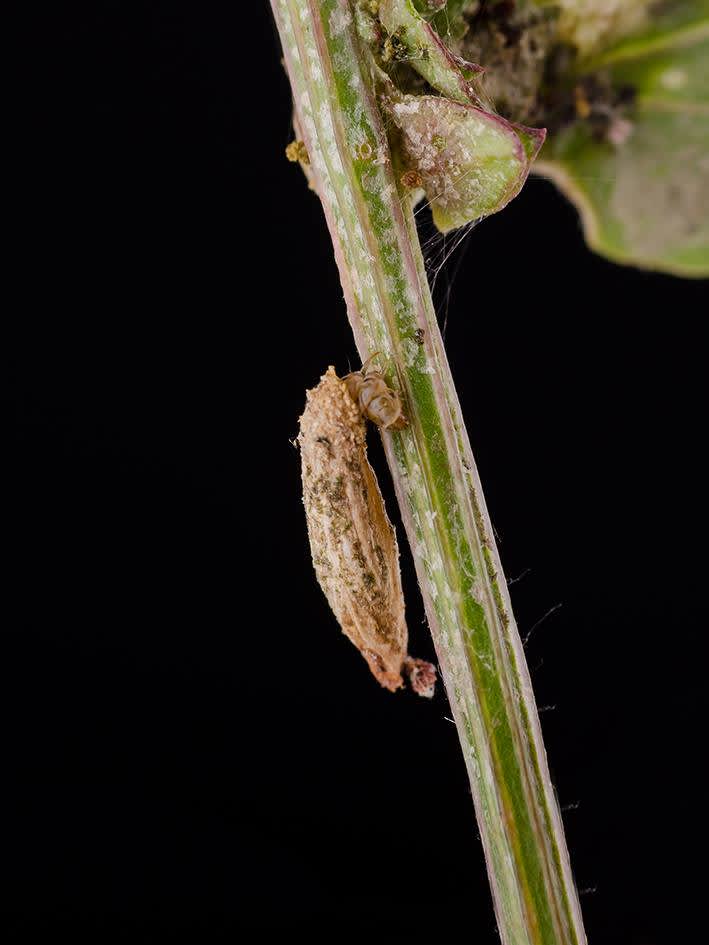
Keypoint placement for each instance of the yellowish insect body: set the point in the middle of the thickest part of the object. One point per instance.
(377, 401)
(352, 541)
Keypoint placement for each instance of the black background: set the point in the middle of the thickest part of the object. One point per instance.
(194, 753)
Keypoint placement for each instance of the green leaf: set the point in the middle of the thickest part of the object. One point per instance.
(589, 25)
(470, 163)
(673, 24)
(645, 201)
(450, 21)
(428, 54)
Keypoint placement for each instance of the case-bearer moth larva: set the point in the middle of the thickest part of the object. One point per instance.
(353, 543)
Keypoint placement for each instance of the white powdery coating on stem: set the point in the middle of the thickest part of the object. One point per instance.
(340, 19)
(316, 118)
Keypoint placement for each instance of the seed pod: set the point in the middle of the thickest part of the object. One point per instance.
(352, 541)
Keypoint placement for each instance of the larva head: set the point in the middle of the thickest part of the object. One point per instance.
(377, 401)
(380, 403)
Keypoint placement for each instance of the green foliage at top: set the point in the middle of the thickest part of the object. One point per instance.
(623, 87)
(644, 197)
(469, 161)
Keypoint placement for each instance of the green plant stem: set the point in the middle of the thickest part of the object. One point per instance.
(437, 485)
